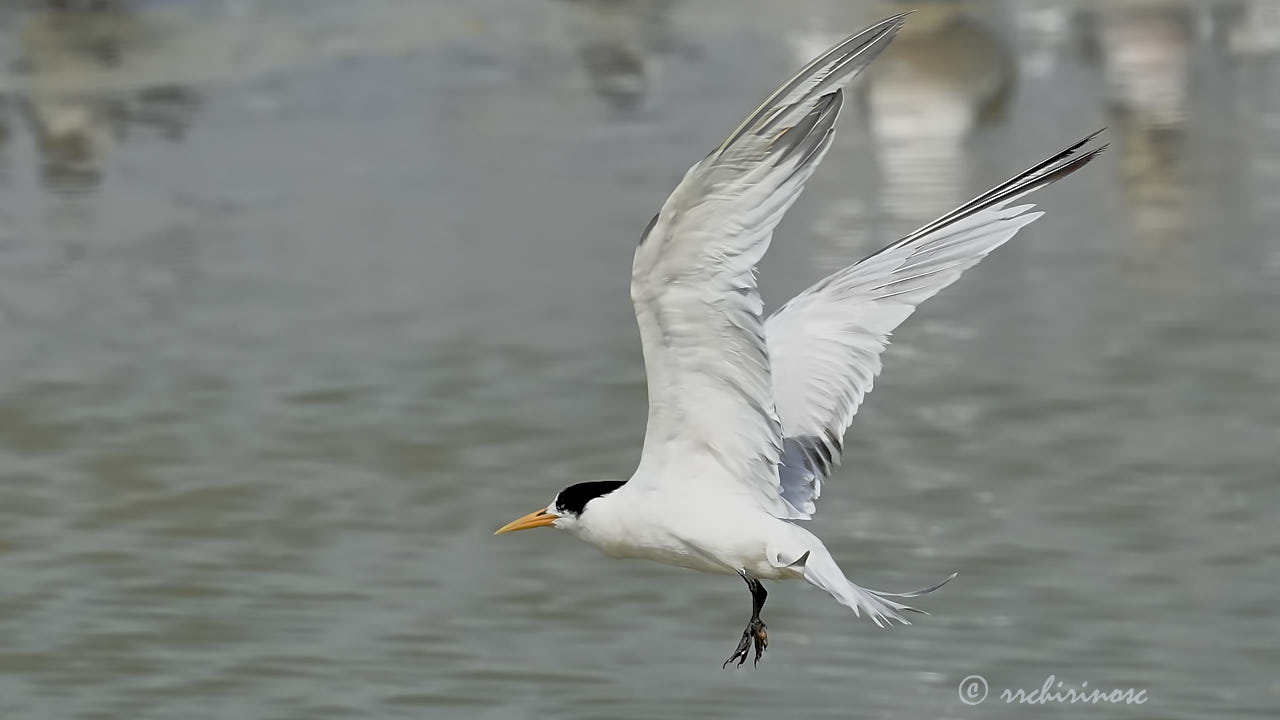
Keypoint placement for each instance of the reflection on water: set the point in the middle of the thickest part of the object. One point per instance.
(1256, 29)
(1144, 52)
(299, 299)
(1253, 102)
(1145, 58)
(1042, 34)
(619, 42)
(60, 50)
(944, 74)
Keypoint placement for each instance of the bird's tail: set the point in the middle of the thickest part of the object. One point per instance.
(821, 570)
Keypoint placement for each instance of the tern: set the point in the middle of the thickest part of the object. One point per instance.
(747, 412)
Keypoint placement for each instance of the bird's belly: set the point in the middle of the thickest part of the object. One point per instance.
(707, 542)
(676, 554)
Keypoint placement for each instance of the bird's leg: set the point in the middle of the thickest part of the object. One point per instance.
(755, 634)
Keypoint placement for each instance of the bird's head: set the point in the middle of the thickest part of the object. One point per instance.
(568, 510)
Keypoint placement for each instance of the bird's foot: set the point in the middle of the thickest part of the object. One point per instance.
(755, 635)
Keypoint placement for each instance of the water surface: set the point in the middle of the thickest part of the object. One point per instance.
(300, 300)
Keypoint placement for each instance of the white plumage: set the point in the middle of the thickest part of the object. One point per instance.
(747, 414)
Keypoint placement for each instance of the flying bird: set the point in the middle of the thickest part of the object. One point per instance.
(747, 412)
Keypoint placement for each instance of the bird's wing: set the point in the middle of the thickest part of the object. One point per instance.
(711, 409)
(825, 344)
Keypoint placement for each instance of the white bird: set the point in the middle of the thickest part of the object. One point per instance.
(747, 414)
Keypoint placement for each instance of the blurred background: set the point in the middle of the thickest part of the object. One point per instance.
(300, 300)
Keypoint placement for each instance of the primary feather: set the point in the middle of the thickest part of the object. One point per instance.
(825, 343)
(711, 396)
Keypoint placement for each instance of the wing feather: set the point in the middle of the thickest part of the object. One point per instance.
(825, 344)
(712, 417)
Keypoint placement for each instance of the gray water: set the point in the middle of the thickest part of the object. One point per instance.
(299, 301)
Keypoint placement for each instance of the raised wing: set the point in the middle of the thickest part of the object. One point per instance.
(825, 344)
(711, 410)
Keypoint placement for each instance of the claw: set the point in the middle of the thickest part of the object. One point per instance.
(740, 654)
(760, 639)
(755, 637)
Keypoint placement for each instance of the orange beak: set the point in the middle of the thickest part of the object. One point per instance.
(541, 518)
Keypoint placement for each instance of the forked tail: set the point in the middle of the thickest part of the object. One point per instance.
(820, 570)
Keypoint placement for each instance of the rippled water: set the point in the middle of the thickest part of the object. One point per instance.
(300, 300)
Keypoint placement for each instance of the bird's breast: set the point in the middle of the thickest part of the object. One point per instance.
(698, 536)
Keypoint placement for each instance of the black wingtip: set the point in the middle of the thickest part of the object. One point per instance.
(1092, 152)
(1089, 137)
(1068, 161)
(1045, 172)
